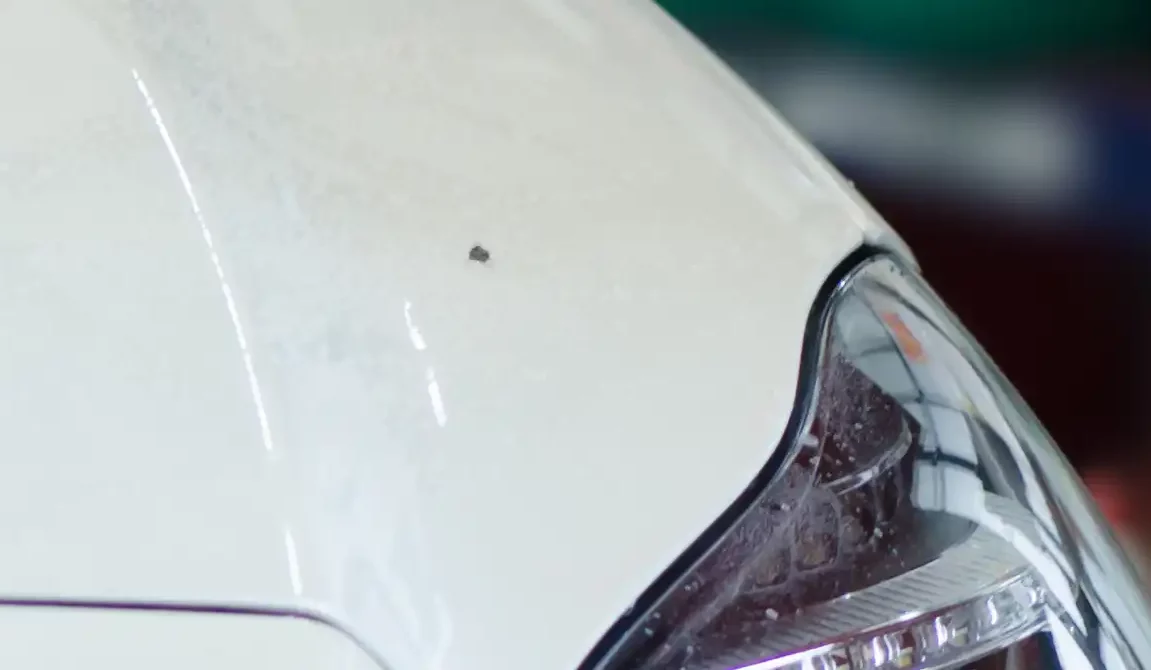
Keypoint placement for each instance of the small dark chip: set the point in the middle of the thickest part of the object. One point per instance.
(479, 254)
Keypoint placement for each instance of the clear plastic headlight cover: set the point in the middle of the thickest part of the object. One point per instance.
(917, 517)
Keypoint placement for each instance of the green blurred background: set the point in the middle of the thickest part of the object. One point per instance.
(954, 31)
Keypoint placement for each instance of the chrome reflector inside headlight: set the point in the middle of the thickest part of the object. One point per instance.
(920, 519)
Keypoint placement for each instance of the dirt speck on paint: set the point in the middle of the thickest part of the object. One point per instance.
(479, 254)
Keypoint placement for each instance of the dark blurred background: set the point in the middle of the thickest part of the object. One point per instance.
(1009, 142)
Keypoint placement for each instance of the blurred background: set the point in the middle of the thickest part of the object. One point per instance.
(1009, 142)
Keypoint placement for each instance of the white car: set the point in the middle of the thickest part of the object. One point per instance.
(487, 335)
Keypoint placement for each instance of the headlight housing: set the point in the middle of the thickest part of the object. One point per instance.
(919, 518)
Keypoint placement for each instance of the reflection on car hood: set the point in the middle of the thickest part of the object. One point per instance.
(252, 357)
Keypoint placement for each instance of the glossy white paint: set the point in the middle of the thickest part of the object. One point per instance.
(246, 359)
(65, 639)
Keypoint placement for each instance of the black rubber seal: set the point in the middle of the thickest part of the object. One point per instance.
(813, 339)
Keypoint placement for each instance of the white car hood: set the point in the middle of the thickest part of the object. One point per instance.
(247, 361)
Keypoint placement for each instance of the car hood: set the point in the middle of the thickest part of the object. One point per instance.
(251, 360)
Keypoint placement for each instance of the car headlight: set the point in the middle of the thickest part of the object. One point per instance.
(917, 517)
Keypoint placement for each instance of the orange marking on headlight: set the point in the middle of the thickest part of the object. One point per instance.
(903, 337)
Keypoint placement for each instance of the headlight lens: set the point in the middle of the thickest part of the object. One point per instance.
(921, 519)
